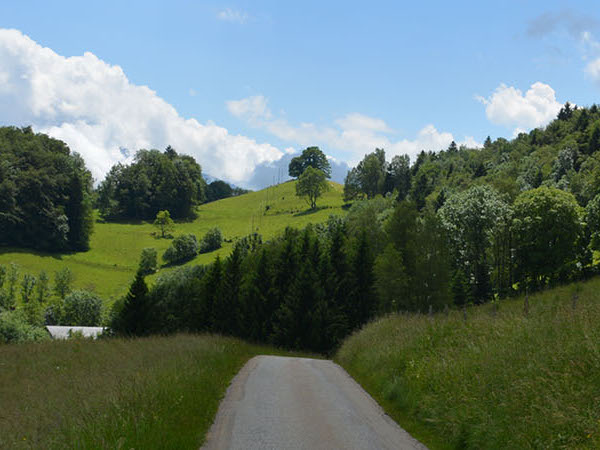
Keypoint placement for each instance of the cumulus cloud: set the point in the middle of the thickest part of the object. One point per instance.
(352, 135)
(97, 111)
(509, 107)
(251, 108)
(232, 15)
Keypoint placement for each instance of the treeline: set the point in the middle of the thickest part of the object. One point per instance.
(457, 227)
(564, 155)
(306, 289)
(45, 193)
(218, 190)
(28, 302)
(155, 181)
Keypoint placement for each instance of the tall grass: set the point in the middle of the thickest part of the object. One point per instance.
(496, 380)
(159, 392)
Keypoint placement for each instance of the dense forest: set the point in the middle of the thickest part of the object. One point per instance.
(563, 155)
(45, 193)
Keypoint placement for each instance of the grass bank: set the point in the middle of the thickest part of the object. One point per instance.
(497, 380)
(109, 266)
(158, 392)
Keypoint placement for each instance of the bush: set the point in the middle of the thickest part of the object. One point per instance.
(14, 328)
(212, 240)
(148, 262)
(183, 248)
(82, 308)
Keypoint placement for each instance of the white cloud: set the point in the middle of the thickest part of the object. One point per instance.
(232, 15)
(251, 108)
(508, 106)
(93, 107)
(353, 135)
(357, 121)
(593, 70)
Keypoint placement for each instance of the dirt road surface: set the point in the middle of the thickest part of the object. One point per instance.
(300, 403)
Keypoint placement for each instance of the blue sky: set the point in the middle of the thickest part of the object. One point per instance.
(263, 79)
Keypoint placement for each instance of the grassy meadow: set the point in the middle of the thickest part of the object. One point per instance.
(109, 266)
(497, 380)
(158, 392)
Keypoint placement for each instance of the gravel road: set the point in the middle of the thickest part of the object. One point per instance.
(300, 403)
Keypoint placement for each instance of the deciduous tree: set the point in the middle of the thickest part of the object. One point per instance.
(311, 185)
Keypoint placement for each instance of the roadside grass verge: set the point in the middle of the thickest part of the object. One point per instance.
(156, 392)
(496, 380)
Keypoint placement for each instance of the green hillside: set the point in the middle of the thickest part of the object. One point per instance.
(493, 379)
(110, 264)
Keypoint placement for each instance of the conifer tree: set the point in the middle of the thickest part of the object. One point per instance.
(361, 298)
(134, 317)
(254, 305)
(211, 288)
(227, 317)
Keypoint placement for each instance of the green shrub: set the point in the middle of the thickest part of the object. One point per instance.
(212, 240)
(148, 262)
(183, 248)
(82, 308)
(14, 328)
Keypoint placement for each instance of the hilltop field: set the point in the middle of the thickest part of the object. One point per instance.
(109, 266)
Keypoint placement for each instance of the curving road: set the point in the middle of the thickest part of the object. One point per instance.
(300, 403)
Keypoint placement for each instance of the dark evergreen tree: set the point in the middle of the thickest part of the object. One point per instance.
(594, 143)
(566, 112)
(209, 289)
(254, 294)
(227, 308)
(361, 301)
(134, 317)
(582, 120)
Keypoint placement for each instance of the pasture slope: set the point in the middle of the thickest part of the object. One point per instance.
(497, 379)
(110, 265)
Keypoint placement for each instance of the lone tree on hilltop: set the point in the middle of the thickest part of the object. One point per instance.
(312, 184)
(311, 157)
(164, 223)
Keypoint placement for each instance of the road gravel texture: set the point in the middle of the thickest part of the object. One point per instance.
(300, 403)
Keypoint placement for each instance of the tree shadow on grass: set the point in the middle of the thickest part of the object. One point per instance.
(122, 221)
(31, 251)
(308, 212)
